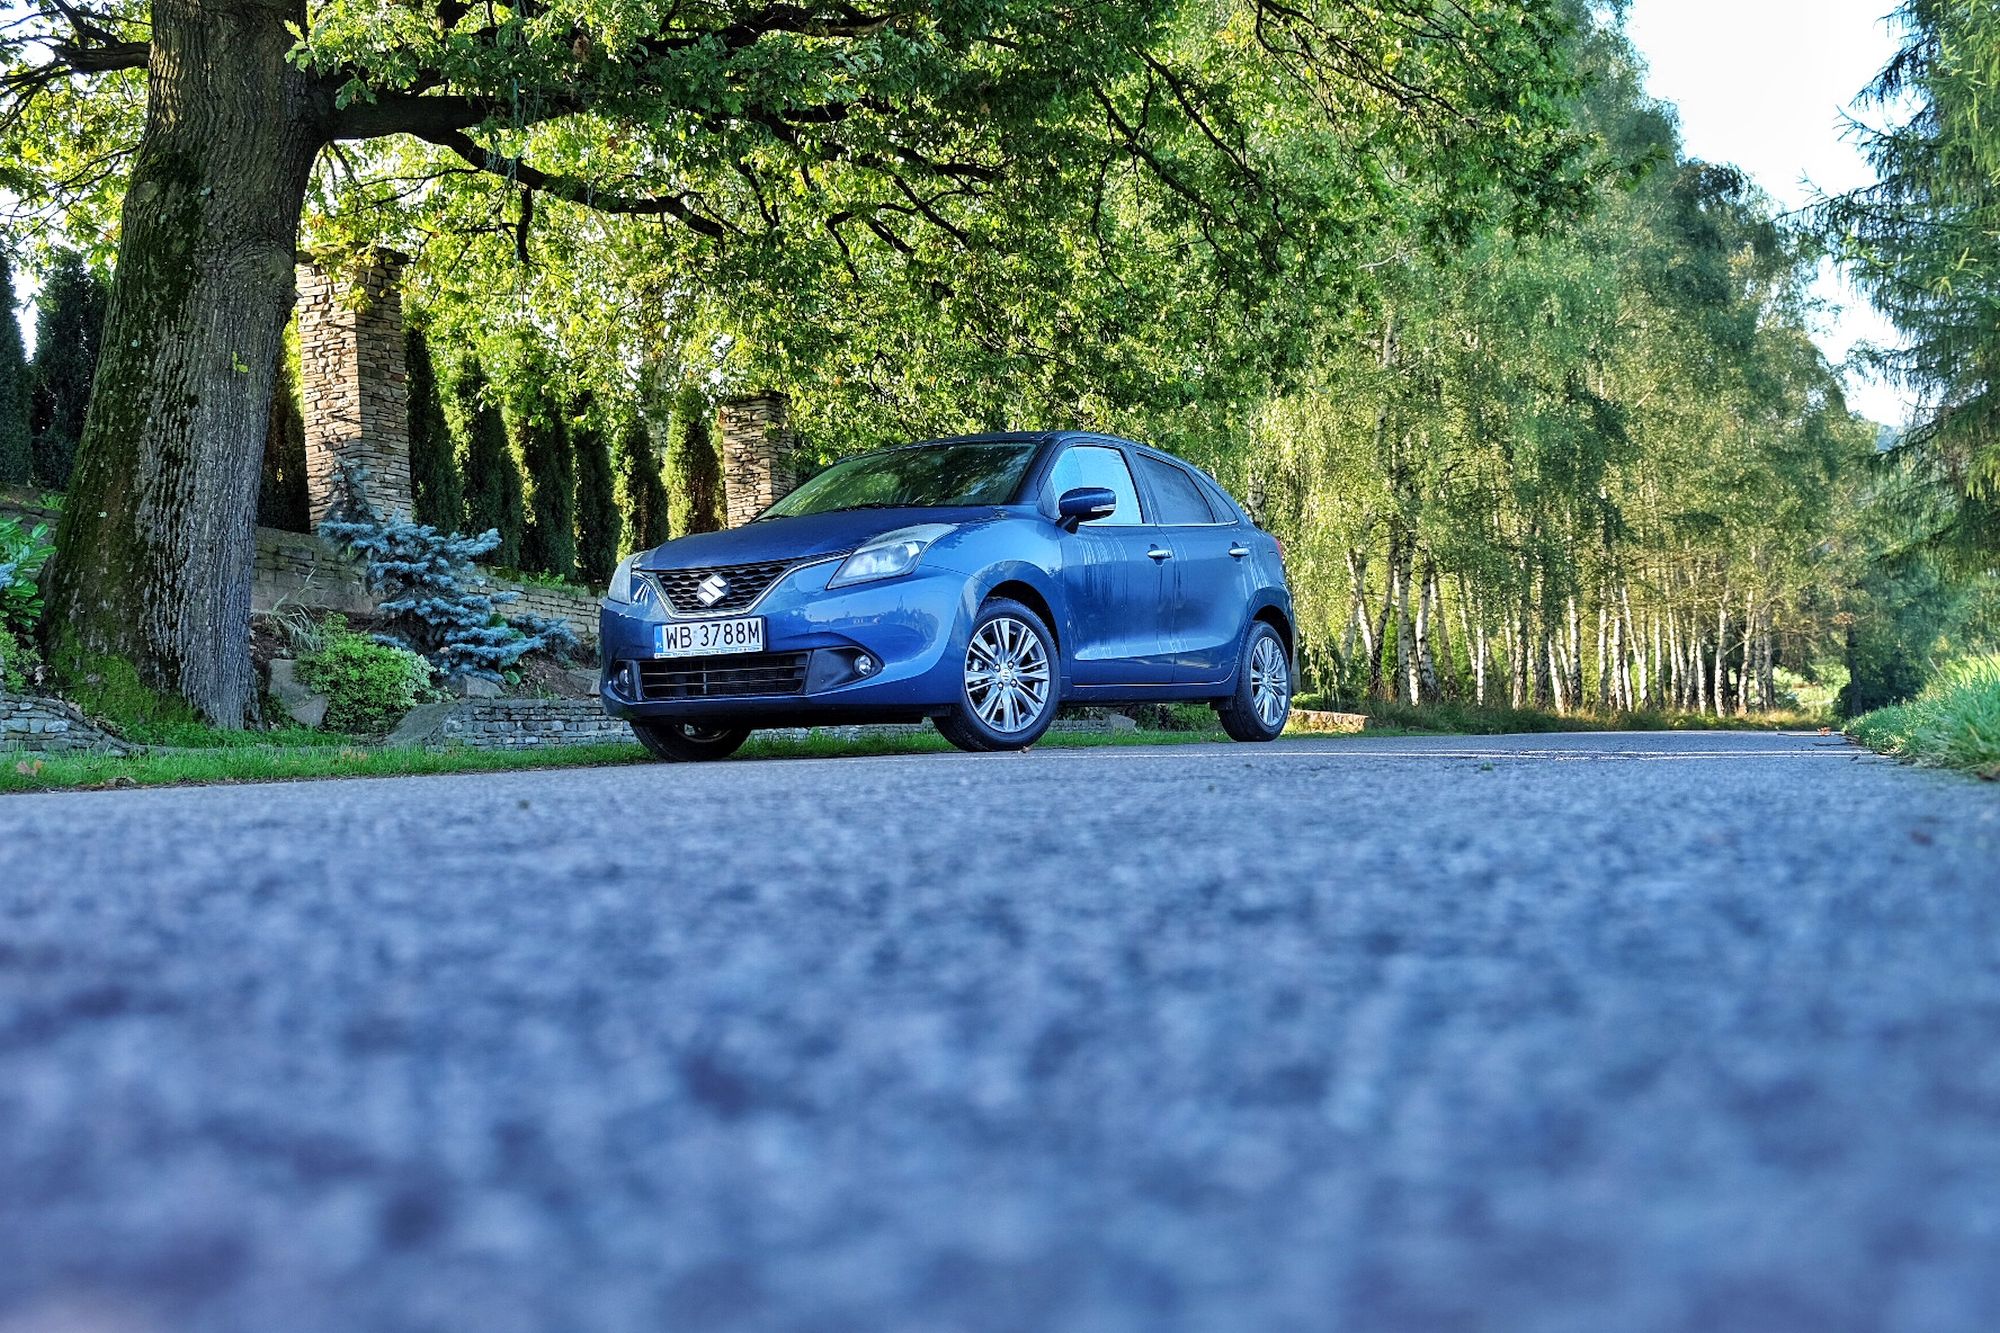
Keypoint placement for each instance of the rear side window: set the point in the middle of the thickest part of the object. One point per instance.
(1094, 465)
(1180, 497)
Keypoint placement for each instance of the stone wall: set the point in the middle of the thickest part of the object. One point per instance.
(510, 724)
(757, 468)
(294, 569)
(578, 609)
(353, 381)
(297, 570)
(29, 722)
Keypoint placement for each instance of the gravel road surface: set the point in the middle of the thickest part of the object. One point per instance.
(1584, 1034)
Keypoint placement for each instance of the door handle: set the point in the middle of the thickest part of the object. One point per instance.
(1160, 553)
(1239, 551)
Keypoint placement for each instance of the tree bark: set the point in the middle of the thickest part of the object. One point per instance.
(1441, 671)
(1423, 669)
(1375, 681)
(1603, 658)
(1721, 654)
(151, 594)
(1357, 618)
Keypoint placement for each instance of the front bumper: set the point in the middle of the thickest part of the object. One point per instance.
(909, 630)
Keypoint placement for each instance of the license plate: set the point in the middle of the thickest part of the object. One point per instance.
(709, 638)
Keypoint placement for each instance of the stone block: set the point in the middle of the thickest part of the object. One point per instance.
(420, 724)
(1326, 723)
(468, 686)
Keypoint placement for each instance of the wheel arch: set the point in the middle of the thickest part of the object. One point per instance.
(1278, 619)
(1028, 595)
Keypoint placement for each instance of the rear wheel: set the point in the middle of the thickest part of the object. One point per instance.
(1263, 698)
(687, 742)
(1007, 695)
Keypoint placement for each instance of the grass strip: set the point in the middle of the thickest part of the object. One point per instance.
(1464, 719)
(1953, 723)
(24, 772)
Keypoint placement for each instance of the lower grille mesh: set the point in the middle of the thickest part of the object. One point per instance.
(724, 677)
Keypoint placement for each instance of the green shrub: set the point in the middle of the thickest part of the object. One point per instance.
(1953, 721)
(23, 552)
(368, 685)
(21, 670)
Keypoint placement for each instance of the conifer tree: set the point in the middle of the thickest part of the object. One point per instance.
(282, 500)
(642, 496)
(492, 481)
(694, 468)
(548, 463)
(69, 328)
(598, 523)
(15, 456)
(438, 491)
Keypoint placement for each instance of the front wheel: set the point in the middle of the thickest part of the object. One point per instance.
(1263, 698)
(1007, 697)
(688, 742)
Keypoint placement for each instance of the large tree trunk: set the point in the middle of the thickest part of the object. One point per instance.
(150, 596)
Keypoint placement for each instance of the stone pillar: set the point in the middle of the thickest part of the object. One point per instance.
(756, 454)
(353, 382)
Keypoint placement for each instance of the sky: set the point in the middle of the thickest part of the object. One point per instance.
(1762, 85)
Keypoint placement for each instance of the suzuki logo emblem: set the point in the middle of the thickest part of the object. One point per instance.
(712, 589)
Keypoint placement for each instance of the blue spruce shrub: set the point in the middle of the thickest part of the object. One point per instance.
(435, 599)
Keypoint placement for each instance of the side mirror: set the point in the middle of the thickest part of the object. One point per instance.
(1085, 504)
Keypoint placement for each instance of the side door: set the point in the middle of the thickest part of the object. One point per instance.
(1208, 592)
(1115, 588)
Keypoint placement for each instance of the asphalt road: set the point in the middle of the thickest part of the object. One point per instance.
(1595, 1033)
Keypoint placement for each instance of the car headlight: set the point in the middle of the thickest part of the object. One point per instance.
(625, 584)
(888, 555)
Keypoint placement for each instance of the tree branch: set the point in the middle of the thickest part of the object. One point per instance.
(572, 190)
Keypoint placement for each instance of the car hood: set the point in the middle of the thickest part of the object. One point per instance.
(801, 538)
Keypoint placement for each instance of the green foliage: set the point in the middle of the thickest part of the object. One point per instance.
(283, 498)
(1954, 722)
(1924, 242)
(694, 466)
(642, 496)
(1595, 457)
(69, 332)
(439, 491)
(16, 453)
(548, 462)
(24, 551)
(21, 666)
(599, 525)
(493, 500)
(369, 685)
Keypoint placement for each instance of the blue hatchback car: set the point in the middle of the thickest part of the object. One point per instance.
(982, 582)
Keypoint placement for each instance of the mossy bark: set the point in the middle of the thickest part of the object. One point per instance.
(156, 546)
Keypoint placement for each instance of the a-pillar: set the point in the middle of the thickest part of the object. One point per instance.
(353, 381)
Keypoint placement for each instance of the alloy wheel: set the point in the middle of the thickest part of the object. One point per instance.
(1270, 681)
(1007, 674)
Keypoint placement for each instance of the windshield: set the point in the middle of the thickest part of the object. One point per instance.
(928, 476)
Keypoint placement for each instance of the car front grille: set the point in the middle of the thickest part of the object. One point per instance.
(682, 587)
(724, 677)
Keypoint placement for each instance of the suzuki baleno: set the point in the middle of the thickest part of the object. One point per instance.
(981, 582)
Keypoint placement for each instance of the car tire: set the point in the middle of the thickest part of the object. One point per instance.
(1263, 698)
(688, 742)
(1009, 652)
